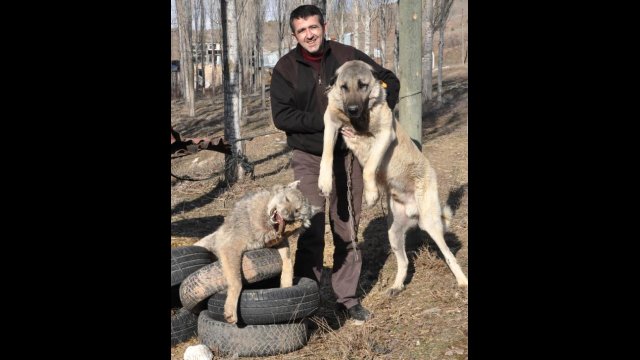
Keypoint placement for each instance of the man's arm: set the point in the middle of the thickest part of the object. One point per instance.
(392, 81)
(286, 115)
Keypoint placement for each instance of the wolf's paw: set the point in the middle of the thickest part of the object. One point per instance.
(230, 316)
(370, 197)
(394, 291)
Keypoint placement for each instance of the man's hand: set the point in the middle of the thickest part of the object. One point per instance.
(347, 131)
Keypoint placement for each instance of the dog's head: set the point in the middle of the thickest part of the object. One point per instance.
(356, 90)
(291, 205)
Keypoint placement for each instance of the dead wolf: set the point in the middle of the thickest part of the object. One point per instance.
(257, 221)
(390, 160)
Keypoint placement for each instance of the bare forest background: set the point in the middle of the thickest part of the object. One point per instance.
(223, 53)
(228, 47)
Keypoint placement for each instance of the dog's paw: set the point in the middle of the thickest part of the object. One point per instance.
(394, 291)
(230, 316)
(324, 184)
(370, 197)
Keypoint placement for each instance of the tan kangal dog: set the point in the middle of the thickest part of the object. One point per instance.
(257, 221)
(389, 158)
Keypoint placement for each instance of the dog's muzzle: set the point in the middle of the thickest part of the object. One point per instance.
(353, 111)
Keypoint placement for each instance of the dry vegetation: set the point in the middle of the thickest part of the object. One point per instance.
(426, 321)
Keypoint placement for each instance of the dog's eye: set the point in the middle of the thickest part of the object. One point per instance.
(345, 88)
(362, 86)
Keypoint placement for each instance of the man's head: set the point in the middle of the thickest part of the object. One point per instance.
(308, 27)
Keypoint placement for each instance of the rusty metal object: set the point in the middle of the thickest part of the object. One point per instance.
(181, 147)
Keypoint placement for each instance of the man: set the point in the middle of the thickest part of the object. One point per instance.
(298, 103)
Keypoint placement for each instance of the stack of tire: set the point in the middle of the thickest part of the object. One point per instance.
(184, 261)
(271, 320)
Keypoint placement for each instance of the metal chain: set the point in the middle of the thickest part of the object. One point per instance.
(349, 201)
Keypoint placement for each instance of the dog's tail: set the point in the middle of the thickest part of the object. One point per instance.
(447, 215)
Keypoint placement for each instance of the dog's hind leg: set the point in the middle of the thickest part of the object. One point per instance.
(431, 222)
(231, 263)
(398, 223)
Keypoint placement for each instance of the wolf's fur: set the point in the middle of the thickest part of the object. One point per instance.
(253, 224)
(390, 160)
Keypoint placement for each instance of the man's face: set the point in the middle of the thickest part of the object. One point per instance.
(309, 33)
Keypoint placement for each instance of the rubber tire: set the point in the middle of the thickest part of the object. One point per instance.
(187, 259)
(257, 265)
(184, 325)
(251, 340)
(270, 306)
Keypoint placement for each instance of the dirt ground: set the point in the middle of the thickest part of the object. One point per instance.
(426, 321)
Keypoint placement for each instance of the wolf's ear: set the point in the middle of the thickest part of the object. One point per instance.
(294, 185)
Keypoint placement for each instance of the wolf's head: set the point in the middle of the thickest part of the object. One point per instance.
(291, 205)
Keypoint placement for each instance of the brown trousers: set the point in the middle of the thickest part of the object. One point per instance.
(309, 255)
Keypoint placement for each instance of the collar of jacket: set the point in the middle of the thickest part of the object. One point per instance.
(327, 50)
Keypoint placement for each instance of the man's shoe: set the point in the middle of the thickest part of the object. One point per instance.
(359, 314)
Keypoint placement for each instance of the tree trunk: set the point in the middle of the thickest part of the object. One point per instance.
(427, 79)
(463, 53)
(322, 4)
(440, 61)
(356, 23)
(410, 69)
(367, 29)
(183, 9)
(383, 34)
(203, 50)
(213, 52)
(396, 49)
(232, 91)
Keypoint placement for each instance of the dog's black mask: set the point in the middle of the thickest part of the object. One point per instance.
(361, 123)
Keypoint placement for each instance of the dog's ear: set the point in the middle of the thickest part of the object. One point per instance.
(294, 185)
(333, 79)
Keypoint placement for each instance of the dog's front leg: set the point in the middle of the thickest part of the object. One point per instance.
(378, 149)
(325, 179)
(286, 277)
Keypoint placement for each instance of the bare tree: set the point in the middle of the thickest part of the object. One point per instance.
(367, 26)
(387, 18)
(322, 4)
(214, 19)
(183, 8)
(199, 16)
(463, 53)
(441, 14)
(280, 12)
(356, 23)
(232, 91)
(410, 104)
(427, 65)
(336, 11)
(396, 46)
(259, 55)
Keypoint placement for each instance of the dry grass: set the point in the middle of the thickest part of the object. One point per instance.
(426, 321)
